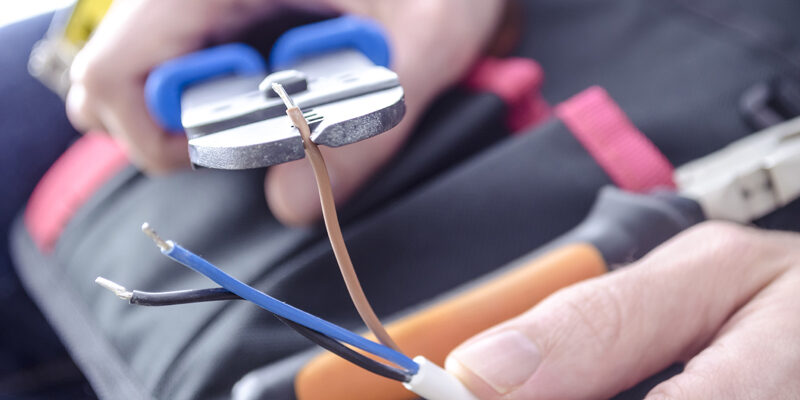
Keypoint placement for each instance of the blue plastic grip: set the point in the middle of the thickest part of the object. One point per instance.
(362, 34)
(165, 84)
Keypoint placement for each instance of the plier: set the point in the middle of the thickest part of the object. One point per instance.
(336, 71)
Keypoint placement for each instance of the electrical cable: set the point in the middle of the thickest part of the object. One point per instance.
(322, 332)
(336, 347)
(269, 303)
(181, 297)
(332, 222)
(156, 299)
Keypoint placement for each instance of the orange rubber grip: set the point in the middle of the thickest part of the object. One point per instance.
(436, 330)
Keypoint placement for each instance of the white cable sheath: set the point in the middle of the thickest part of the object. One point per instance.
(433, 383)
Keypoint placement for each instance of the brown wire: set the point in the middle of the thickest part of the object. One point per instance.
(334, 230)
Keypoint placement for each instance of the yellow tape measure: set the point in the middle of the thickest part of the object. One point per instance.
(86, 15)
(70, 29)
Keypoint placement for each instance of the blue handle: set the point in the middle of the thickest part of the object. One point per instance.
(349, 31)
(166, 83)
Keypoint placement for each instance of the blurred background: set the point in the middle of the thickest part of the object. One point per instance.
(12, 11)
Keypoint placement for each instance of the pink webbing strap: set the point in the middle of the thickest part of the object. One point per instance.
(516, 81)
(68, 184)
(628, 157)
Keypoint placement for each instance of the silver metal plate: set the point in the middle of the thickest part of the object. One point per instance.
(233, 125)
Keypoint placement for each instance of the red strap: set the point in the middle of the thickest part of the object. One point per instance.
(68, 184)
(627, 156)
(518, 82)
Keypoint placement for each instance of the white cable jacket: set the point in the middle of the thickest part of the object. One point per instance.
(433, 383)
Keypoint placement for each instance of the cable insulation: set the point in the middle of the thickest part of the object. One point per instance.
(141, 298)
(197, 263)
(155, 299)
(335, 347)
(334, 229)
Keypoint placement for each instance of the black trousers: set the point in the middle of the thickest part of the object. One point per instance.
(34, 132)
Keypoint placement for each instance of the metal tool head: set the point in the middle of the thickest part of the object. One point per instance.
(238, 122)
(748, 178)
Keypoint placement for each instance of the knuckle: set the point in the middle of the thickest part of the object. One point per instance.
(80, 111)
(95, 81)
(92, 73)
(713, 239)
(724, 233)
(725, 245)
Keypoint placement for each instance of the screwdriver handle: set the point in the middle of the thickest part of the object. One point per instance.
(436, 330)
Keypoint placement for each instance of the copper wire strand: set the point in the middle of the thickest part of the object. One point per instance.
(332, 223)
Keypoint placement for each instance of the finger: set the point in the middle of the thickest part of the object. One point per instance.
(600, 337)
(292, 193)
(135, 36)
(756, 355)
(108, 81)
(426, 60)
(123, 114)
(79, 112)
(146, 144)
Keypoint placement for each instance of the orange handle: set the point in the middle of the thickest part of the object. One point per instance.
(436, 330)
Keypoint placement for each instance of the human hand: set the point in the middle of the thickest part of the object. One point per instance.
(433, 43)
(720, 297)
(135, 36)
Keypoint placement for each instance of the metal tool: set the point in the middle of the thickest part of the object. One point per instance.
(337, 74)
(749, 178)
(69, 30)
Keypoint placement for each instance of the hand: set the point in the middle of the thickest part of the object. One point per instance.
(433, 43)
(108, 75)
(723, 298)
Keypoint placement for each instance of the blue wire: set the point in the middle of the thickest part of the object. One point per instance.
(278, 307)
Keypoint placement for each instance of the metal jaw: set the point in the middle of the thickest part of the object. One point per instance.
(748, 179)
(232, 124)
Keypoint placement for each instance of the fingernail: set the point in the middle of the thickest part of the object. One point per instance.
(504, 360)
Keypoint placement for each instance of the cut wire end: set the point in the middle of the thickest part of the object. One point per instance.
(278, 88)
(161, 243)
(114, 287)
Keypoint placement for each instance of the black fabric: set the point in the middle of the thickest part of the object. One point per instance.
(34, 132)
(461, 201)
(171, 361)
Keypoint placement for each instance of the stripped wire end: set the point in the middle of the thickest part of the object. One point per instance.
(114, 287)
(161, 243)
(278, 88)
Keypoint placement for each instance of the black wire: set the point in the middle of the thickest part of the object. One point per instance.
(335, 347)
(324, 341)
(181, 297)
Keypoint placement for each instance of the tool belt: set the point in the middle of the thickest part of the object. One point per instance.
(477, 186)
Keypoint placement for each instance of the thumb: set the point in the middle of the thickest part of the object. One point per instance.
(598, 338)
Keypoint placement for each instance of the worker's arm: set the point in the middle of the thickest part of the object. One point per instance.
(723, 298)
(433, 42)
